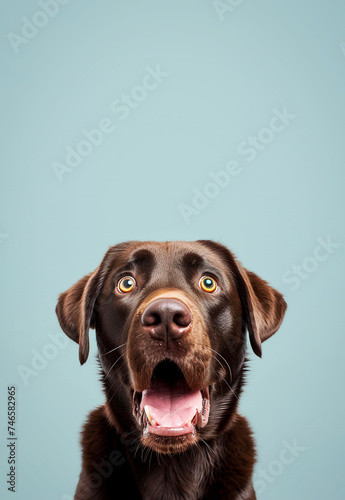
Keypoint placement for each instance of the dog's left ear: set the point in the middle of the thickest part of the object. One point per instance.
(264, 307)
(75, 311)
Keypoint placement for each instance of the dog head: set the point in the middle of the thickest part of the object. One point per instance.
(171, 321)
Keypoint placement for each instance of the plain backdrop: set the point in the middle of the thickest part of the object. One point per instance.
(220, 72)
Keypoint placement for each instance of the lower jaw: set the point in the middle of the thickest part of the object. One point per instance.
(169, 445)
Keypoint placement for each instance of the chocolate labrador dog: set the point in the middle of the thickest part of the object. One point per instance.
(171, 321)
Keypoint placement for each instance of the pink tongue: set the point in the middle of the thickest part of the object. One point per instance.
(171, 405)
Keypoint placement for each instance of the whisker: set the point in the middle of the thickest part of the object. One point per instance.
(118, 359)
(208, 446)
(129, 433)
(115, 381)
(227, 383)
(217, 375)
(114, 394)
(231, 389)
(227, 364)
(115, 348)
(112, 385)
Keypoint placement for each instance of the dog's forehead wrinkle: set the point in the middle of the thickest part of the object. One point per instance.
(177, 262)
(160, 258)
(140, 256)
(163, 256)
(128, 259)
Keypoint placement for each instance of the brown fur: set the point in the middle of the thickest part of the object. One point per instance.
(215, 462)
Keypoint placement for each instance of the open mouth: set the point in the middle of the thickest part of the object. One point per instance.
(169, 407)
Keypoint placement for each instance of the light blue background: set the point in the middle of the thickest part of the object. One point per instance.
(225, 79)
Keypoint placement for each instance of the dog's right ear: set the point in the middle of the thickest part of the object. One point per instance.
(75, 311)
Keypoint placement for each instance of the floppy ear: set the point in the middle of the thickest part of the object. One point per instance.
(75, 311)
(263, 307)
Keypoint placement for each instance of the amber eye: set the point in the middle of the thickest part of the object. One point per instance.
(126, 284)
(208, 284)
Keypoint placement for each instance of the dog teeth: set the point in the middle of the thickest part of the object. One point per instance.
(148, 413)
(149, 416)
(194, 420)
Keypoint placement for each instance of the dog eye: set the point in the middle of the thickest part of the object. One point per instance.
(126, 284)
(208, 284)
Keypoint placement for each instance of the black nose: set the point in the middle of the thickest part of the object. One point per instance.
(167, 319)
